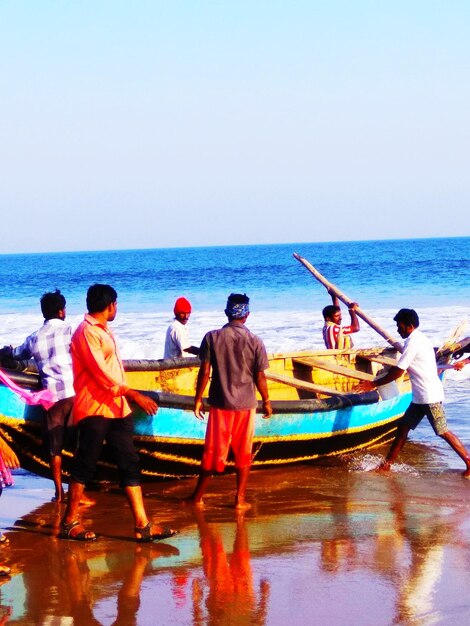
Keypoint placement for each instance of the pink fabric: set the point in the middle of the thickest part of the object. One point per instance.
(44, 397)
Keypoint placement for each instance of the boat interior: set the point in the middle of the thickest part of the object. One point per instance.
(291, 376)
(300, 375)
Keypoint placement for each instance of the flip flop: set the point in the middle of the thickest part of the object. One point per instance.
(146, 536)
(83, 535)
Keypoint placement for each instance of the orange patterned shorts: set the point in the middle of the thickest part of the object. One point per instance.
(228, 429)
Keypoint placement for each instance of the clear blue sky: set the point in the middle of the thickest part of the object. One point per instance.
(187, 123)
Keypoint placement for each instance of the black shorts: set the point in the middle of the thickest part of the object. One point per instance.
(117, 431)
(58, 425)
(434, 412)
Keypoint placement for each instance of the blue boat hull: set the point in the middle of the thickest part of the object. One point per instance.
(170, 444)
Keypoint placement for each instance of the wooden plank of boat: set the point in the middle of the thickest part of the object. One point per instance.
(335, 368)
(303, 384)
(378, 358)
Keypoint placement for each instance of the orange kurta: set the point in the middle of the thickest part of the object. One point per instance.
(98, 374)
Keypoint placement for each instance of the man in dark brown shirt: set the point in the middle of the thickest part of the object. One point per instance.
(237, 359)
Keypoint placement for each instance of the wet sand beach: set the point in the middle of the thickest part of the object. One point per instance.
(329, 543)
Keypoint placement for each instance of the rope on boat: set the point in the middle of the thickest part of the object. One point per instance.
(377, 441)
(169, 457)
(162, 475)
(172, 440)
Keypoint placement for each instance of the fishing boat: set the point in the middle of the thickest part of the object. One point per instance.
(317, 412)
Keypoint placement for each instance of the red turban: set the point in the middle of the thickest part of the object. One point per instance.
(182, 306)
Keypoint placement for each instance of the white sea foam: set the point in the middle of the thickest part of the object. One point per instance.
(371, 462)
(364, 463)
(142, 335)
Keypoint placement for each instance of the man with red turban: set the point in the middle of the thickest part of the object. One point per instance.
(177, 342)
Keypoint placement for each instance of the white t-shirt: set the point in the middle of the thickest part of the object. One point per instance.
(176, 341)
(419, 359)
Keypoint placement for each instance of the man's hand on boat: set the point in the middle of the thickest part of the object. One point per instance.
(364, 387)
(199, 409)
(267, 409)
(146, 403)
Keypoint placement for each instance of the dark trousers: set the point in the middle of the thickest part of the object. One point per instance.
(93, 431)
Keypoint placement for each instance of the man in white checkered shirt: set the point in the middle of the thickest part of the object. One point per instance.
(50, 348)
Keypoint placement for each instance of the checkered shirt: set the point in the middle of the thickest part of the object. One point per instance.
(50, 348)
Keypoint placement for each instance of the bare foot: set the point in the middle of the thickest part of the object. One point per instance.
(59, 497)
(466, 474)
(192, 502)
(384, 467)
(86, 501)
(242, 506)
(4, 570)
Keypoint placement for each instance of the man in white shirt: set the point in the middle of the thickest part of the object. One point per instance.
(419, 359)
(177, 342)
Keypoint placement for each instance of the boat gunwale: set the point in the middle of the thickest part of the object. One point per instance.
(311, 405)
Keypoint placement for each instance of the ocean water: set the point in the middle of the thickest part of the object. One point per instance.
(429, 275)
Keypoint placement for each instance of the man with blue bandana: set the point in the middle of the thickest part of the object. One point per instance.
(237, 359)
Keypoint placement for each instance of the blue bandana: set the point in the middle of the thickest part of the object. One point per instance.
(237, 311)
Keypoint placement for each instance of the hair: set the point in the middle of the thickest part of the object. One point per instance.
(99, 296)
(237, 298)
(51, 303)
(409, 317)
(329, 311)
(233, 304)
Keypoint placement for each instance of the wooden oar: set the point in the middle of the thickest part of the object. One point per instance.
(347, 301)
(303, 384)
(334, 368)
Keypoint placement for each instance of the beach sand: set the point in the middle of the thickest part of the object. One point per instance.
(329, 543)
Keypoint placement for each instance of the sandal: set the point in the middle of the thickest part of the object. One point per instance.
(82, 535)
(146, 535)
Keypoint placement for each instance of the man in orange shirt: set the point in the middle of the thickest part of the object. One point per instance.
(101, 412)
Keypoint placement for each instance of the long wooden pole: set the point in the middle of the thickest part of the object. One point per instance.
(347, 301)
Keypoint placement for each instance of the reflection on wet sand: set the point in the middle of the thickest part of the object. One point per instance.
(59, 579)
(226, 594)
(429, 529)
(320, 545)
